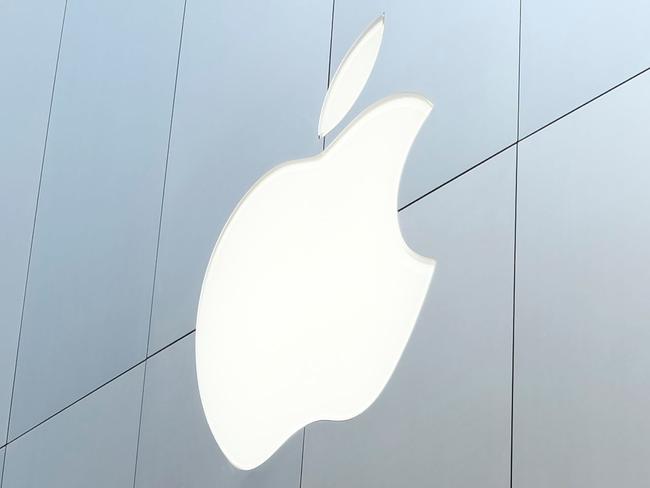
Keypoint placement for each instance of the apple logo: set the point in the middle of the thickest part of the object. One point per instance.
(311, 293)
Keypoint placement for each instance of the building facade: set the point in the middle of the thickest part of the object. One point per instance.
(130, 130)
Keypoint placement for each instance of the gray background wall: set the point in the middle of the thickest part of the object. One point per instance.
(129, 131)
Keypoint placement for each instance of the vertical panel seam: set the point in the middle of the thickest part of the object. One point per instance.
(160, 220)
(514, 258)
(329, 78)
(31, 241)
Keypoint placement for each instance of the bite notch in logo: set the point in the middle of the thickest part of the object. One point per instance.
(311, 293)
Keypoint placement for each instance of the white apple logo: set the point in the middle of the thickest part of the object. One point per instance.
(311, 293)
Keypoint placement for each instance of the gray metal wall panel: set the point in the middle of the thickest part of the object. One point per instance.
(29, 38)
(582, 388)
(90, 444)
(251, 83)
(444, 417)
(572, 51)
(176, 446)
(89, 290)
(462, 56)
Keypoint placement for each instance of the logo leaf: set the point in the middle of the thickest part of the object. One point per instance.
(351, 77)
